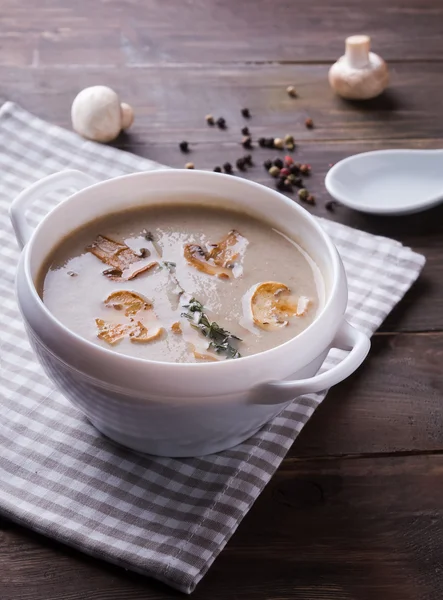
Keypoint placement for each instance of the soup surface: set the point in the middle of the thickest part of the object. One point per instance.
(180, 283)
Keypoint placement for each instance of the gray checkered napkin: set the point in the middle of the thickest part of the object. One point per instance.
(162, 517)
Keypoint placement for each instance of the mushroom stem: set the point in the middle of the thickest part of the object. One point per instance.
(357, 50)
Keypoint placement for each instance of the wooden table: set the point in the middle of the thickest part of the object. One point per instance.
(356, 510)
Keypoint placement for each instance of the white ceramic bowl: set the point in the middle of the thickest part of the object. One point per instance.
(180, 409)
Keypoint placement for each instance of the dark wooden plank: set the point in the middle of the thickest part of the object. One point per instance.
(210, 31)
(393, 403)
(171, 101)
(339, 529)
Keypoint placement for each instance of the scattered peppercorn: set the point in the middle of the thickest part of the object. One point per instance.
(291, 91)
(267, 164)
(285, 172)
(288, 184)
(262, 142)
(221, 123)
(309, 123)
(184, 146)
(278, 163)
(298, 181)
(189, 165)
(217, 170)
(274, 171)
(288, 139)
(290, 147)
(210, 120)
(303, 194)
(248, 160)
(227, 167)
(278, 143)
(269, 142)
(281, 184)
(246, 113)
(295, 169)
(305, 169)
(241, 165)
(247, 142)
(245, 131)
(310, 199)
(331, 205)
(288, 161)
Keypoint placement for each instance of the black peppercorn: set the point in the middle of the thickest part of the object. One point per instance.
(278, 163)
(331, 205)
(210, 120)
(240, 164)
(294, 169)
(246, 113)
(283, 185)
(221, 123)
(310, 199)
(245, 131)
(262, 142)
(247, 142)
(248, 160)
(217, 170)
(269, 142)
(298, 181)
(184, 146)
(227, 167)
(267, 164)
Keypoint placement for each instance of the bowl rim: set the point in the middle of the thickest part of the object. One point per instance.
(240, 363)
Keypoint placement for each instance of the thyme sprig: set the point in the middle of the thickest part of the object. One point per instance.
(220, 339)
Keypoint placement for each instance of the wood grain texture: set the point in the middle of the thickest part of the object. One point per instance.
(355, 511)
(171, 101)
(333, 529)
(122, 32)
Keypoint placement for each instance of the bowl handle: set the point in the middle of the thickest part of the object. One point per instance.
(347, 338)
(19, 207)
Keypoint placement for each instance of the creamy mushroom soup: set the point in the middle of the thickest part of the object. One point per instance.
(181, 283)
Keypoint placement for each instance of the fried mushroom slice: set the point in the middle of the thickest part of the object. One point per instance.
(111, 333)
(140, 334)
(198, 258)
(220, 258)
(125, 263)
(176, 328)
(272, 305)
(201, 355)
(228, 250)
(130, 301)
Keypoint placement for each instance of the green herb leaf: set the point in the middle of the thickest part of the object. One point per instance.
(220, 339)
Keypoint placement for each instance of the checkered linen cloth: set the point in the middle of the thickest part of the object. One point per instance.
(162, 517)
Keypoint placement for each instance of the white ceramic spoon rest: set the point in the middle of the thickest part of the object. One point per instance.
(388, 181)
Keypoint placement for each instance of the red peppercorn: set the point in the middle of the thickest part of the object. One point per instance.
(305, 169)
(289, 161)
(285, 172)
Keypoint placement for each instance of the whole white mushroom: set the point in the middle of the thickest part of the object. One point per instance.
(359, 74)
(97, 114)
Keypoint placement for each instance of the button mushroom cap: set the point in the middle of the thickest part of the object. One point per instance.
(98, 115)
(359, 74)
